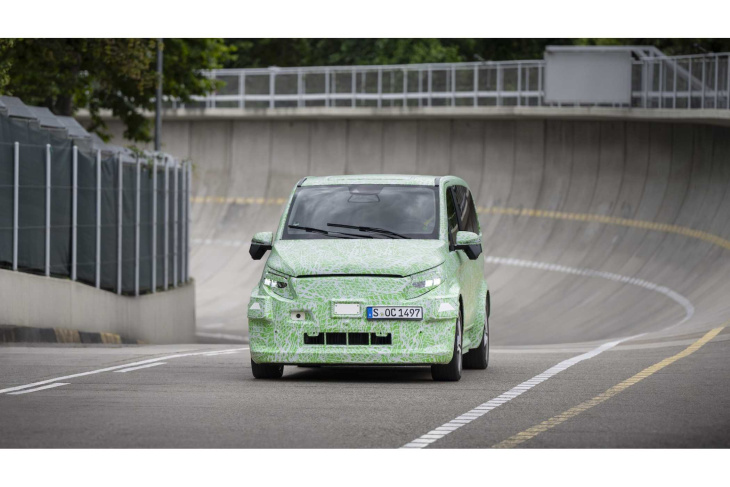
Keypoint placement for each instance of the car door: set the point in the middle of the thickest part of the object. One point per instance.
(470, 272)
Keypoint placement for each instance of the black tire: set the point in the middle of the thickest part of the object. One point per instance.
(478, 358)
(451, 372)
(266, 371)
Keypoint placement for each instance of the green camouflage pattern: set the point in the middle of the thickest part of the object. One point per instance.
(387, 269)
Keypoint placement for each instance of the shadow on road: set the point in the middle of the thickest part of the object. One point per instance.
(389, 375)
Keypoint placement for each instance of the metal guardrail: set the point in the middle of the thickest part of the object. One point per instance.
(681, 82)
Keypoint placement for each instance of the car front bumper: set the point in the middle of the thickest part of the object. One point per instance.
(276, 337)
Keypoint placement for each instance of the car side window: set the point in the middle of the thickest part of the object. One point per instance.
(473, 218)
(451, 214)
(466, 213)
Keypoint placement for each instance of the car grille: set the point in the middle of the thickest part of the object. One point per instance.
(348, 339)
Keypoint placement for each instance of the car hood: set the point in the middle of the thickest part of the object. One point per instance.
(357, 256)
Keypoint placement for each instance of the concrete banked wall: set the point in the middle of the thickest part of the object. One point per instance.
(541, 266)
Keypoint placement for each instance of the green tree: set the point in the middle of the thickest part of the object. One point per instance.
(108, 74)
(670, 46)
(5, 46)
(256, 53)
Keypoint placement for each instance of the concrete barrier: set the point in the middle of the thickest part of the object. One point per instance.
(36, 301)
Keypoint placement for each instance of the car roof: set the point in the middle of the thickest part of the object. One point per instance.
(396, 179)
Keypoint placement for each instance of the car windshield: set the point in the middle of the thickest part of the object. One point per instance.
(363, 211)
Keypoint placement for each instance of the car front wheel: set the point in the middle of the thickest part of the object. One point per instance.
(266, 371)
(478, 358)
(451, 372)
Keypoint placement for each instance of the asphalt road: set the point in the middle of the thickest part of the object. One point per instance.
(211, 400)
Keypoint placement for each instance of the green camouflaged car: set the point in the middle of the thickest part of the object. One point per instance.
(372, 270)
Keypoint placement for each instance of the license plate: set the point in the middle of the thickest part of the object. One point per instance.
(395, 312)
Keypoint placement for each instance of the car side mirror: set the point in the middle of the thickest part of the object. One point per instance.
(470, 243)
(260, 243)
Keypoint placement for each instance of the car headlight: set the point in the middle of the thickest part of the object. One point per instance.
(423, 282)
(277, 283)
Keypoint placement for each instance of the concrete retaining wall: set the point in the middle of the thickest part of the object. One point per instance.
(668, 172)
(29, 300)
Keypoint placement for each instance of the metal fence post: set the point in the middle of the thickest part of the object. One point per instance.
(539, 85)
(16, 199)
(74, 210)
(120, 217)
(703, 82)
(272, 88)
(188, 219)
(661, 84)
(243, 91)
(183, 206)
(420, 88)
(499, 85)
(48, 209)
(326, 87)
(674, 85)
(476, 85)
(300, 89)
(453, 85)
(175, 222)
(717, 75)
(154, 224)
(644, 81)
(136, 229)
(241, 88)
(166, 267)
(354, 87)
(405, 87)
(430, 86)
(98, 219)
(380, 87)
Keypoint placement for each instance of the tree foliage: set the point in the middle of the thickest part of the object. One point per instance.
(108, 74)
(256, 53)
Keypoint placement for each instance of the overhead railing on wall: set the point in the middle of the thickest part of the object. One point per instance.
(656, 81)
(97, 214)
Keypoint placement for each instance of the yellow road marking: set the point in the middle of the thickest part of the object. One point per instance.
(495, 210)
(610, 220)
(622, 386)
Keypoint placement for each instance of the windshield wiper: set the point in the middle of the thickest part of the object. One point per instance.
(368, 229)
(325, 232)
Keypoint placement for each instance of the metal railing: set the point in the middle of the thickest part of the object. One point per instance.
(658, 81)
(513, 83)
(682, 82)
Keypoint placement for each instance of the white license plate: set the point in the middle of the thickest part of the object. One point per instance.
(395, 312)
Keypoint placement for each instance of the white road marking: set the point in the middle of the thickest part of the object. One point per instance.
(689, 310)
(479, 411)
(109, 369)
(226, 352)
(130, 369)
(43, 388)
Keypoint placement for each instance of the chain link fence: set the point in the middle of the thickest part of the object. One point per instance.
(73, 207)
